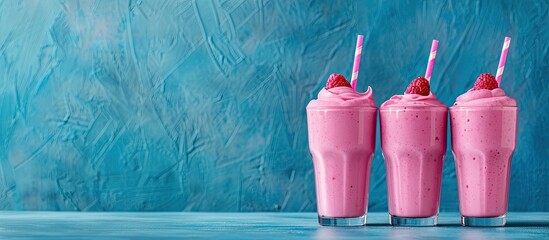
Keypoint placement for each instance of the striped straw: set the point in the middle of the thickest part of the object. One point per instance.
(431, 63)
(356, 64)
(502, 59)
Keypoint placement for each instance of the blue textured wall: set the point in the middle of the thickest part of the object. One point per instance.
(200, 105)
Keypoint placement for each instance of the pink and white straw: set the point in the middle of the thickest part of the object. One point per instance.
(431, 62)
(502, 59)
(356, 64)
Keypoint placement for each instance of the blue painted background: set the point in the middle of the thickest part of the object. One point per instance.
(200, 105)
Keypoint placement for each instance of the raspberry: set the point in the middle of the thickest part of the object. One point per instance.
(486, 81)
(337, 80)
(420, 86)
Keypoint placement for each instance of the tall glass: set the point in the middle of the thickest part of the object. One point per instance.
(342, 143)
(413, 140)
(483, 142)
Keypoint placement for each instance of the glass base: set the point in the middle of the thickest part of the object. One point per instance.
(413, 222)
(483, 221)
(342, 221)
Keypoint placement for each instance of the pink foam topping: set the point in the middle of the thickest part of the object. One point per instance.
(343, 97)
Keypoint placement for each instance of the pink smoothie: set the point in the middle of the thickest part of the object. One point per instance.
(413, 140)
(341, 124)
(484, 128)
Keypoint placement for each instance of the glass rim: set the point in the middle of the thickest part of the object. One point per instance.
(413, 108)
(342, 108)
(461, 108)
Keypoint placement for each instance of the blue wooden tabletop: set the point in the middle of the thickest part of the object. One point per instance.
(286, 226)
